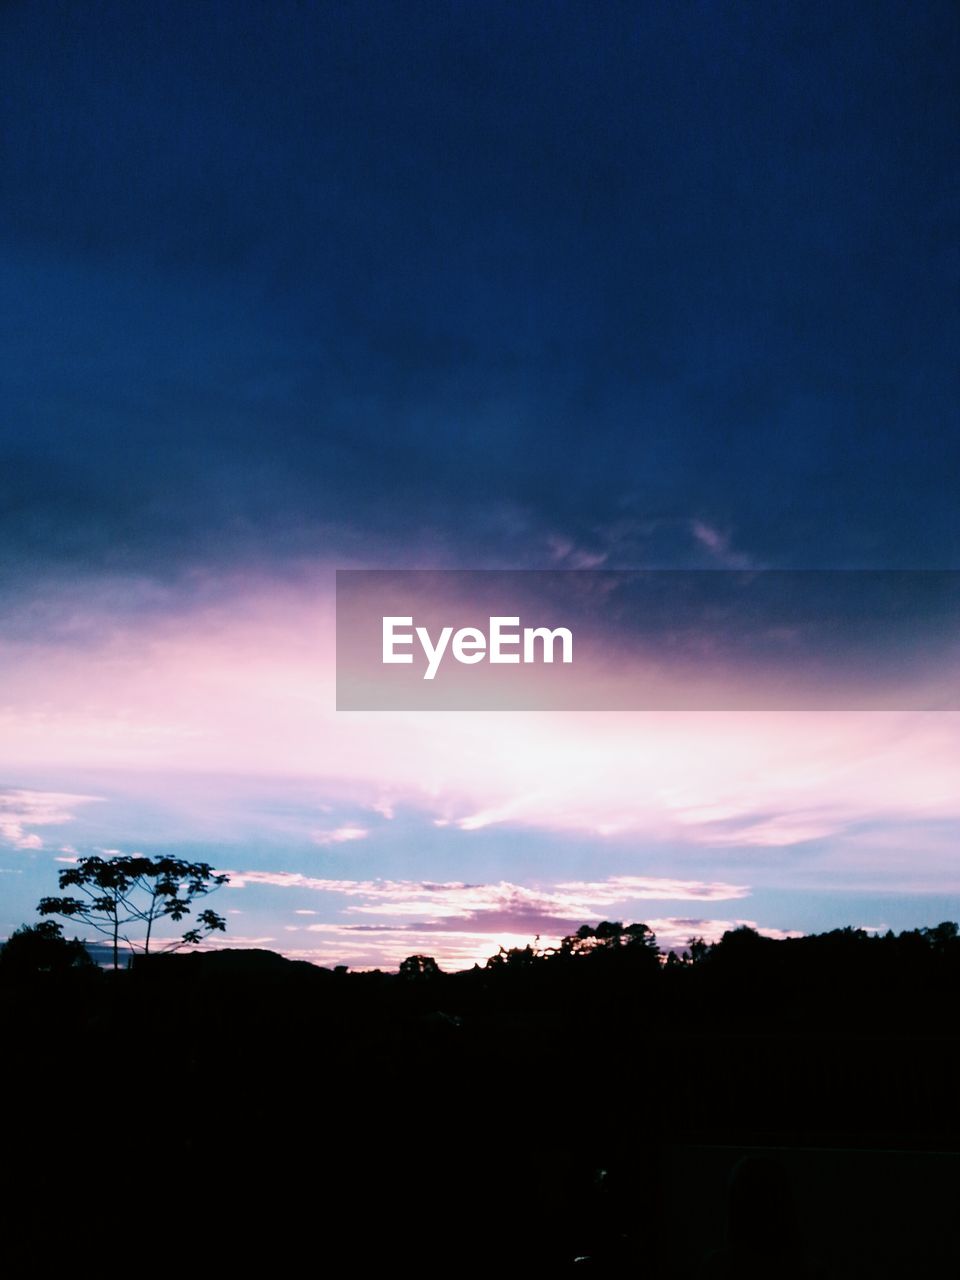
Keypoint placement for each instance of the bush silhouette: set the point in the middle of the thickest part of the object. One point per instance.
(42, 948)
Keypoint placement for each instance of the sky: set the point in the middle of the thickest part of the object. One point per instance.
(288, 289)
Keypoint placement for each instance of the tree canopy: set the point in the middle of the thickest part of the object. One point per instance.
(130, 891)
(42, 948)
(419, 967)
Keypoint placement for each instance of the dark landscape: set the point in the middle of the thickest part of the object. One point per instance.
(758, 1107)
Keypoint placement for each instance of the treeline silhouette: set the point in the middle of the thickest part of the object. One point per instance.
(754, 1106)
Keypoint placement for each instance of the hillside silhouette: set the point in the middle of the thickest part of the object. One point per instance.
(752, 1107)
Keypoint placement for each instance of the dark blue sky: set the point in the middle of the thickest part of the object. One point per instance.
(479, 283)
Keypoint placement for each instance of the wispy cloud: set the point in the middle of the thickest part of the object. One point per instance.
(376, 923)
(655, 888)
(21, 809)
(719, 546)
(340, 835)
(494, 908)
(384, 946)
(238, 674)
(567, 555)
(774, 832)
(366, 949)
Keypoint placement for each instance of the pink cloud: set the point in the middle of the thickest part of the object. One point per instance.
(494, 910)
(454, 948)
(340, 835)
(462, 923)
(243, 685)
(718, 544)
(20, 809)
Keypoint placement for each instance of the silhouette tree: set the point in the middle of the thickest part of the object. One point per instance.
(579, 943)
(135, 890)
(696, 951)
(941, 937)
(610, 936)
(640, 937)
(42, 948)
(513, 957)
(419, 967)
(742, 936)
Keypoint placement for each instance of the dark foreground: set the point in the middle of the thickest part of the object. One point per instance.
(776, 1109)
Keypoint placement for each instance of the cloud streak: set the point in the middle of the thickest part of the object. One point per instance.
(455, 947)
(241, 683)
(461, 921)
(455, 897)
(340, 835)
(21, 809)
